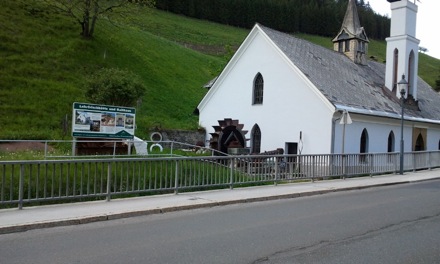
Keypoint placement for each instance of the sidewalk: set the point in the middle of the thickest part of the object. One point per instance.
(14, 220)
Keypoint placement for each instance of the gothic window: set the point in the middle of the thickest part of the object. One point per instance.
(391, 145)
(256, 139)
(410, 72)
(258, 89)
(361, 47)
(347, 45)
(363, 145)
(395, 68)
(420, 143)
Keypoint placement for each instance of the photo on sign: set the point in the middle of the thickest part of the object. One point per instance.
(120, 120)
(108, 119)
(82, 118)
(95, 126)
(129, 120)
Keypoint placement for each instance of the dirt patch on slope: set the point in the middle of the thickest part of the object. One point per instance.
(23, 146)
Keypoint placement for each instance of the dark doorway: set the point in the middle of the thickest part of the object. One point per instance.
(420, 143)
(291, 162)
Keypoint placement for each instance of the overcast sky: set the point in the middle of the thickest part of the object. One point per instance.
(426, 30)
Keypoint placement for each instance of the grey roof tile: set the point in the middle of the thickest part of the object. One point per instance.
(345, 83)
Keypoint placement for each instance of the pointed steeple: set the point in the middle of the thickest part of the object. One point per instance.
(352, 39)
(351, 19)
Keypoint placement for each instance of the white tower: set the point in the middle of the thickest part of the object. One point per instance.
(402, 48)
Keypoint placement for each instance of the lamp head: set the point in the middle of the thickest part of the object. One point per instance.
(402, 85)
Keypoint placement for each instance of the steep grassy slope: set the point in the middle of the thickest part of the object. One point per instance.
(44, 65)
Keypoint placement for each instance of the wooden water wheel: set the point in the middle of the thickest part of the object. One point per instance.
(228, 133)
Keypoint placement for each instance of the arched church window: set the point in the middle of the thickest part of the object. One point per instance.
(364, 141)
(256, 139)
(410, 75)
(363, 145)
(395, 68)
(420, 143)
(391, 144)
(258, 89)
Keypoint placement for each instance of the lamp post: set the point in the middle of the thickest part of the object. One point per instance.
(402, 84)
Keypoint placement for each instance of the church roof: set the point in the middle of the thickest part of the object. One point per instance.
(357, 88)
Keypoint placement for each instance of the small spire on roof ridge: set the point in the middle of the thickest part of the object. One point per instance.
(351, 19)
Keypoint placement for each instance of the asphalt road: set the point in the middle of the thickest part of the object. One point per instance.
(397, 224)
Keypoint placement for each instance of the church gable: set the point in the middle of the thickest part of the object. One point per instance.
(243, 80)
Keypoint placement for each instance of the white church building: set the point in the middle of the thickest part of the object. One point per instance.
(282, 92)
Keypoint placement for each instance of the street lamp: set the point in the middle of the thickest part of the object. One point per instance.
(402, 84)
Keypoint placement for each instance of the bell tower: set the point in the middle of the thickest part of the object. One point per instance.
(402, 48)
(352, 39)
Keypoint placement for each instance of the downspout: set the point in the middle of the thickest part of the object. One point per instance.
(334, 119)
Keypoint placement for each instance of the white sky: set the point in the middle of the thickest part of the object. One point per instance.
(426, 30)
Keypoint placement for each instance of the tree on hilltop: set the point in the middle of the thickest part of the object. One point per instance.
(87, 12)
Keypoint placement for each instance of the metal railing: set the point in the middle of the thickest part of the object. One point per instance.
(68, 149)
(52, 181)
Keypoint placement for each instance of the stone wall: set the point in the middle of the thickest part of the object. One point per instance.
(193, 137)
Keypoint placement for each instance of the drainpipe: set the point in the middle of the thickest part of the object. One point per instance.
(334, 119)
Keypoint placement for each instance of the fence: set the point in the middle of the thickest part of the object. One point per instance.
(68, 149)
(51, 181)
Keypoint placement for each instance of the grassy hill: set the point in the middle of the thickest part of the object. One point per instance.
(45, 64)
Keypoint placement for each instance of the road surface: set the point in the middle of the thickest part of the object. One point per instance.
(396, 224)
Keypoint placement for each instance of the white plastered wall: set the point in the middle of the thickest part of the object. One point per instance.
(291, 104)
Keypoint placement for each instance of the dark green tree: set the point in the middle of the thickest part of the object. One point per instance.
(112, 86)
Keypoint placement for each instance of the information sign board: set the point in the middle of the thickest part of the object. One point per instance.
(103, 121)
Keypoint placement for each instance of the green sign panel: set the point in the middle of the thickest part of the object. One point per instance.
(103, 121)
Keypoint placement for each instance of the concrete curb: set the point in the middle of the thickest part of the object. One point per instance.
(114, 216)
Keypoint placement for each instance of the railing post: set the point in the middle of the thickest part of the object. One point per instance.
(371, 164)
(172, 146)
(231, 179)
(414, 162)
(20, 187)
(45, 149)
(114, 149)
(176, 178)
(109, 176)
(129, 148)
(276, 171)
(74, 147)
(344, 164)
(429, 160)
